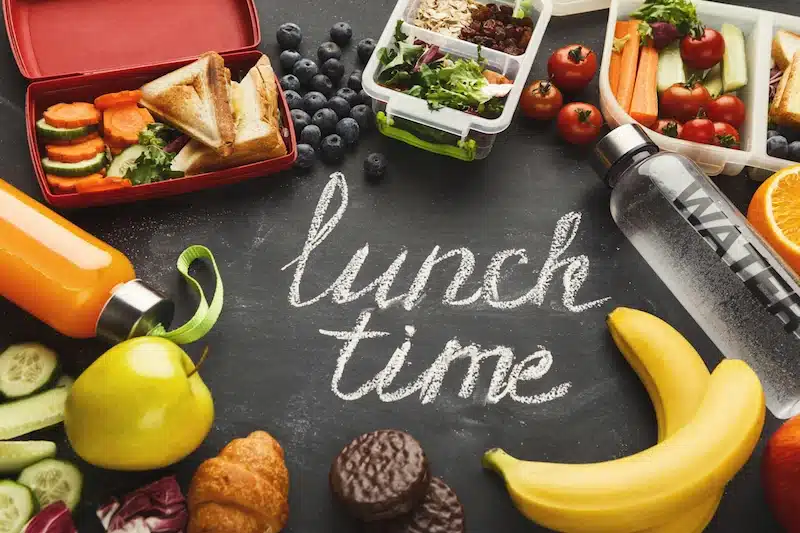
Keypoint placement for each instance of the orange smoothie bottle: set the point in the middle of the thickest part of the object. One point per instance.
(72, 281)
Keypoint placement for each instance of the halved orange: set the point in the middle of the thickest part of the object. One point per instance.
(774, 212)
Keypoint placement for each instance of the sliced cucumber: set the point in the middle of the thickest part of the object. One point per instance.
(32, 413)
(52, 480)
(61, 134)
(734, 61)
(26, 369)
(670, 68)
(17, 506)
(124, 161)
(65, 381)
(713, 81)
(82, 168)
(17, 454)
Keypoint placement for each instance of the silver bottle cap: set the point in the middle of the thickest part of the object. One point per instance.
(133, 310)
(622, 142)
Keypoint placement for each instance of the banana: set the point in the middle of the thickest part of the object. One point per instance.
(652, 487)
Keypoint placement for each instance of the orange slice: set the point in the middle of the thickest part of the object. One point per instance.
(774, 212)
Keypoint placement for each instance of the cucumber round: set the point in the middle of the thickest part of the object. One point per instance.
(53, 480)
(61, 134)
(17, 506)
(124, 161)
(26, 369)
(15, 455)
(82, 168)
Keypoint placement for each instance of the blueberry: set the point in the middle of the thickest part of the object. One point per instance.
(301, 119)
(341, 33)
(375, 165)
(325, 119)
(340, 106)
(365, 49)
(322, 84)
(348, 130)
(306, 156)
(290, 83)
(314, 101)
(364, 98)
(328, 50)
(289, 36)
(350, 95)
(772, 133)
(333, 68)
(794, 151)
(289, 58)
(305, 69)
(332, 148)
(311, 135)
(778, 146)
(363, 115)
(294, 100)
(354, 80)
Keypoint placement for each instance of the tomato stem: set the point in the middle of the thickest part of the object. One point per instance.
(584, 114)
(576, 55)
(545, 87)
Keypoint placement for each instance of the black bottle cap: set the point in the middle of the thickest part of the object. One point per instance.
(618, 146)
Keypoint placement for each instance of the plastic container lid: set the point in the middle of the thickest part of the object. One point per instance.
(573, 7)
(68, 37)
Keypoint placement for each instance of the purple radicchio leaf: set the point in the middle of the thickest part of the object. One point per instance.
(428, 56)
(156, 508)
(55, 518)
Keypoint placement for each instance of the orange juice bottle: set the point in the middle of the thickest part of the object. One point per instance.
(72, 281)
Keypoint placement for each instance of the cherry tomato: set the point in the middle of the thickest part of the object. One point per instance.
(727, 108)
(579, 123)
(572, 68)
(704, 51)
(541, 100)
(683, 101)
(726, 136)
(668, 127)
(699, 130)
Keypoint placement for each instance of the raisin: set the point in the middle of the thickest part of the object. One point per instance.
(481, 14)
(491, 43)
(526, 37)
(500, 33)
(475, 25)
(526, 21)
(467, 33)
(506, 10)
(513, 51)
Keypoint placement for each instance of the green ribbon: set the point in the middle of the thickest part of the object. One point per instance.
(206, 315)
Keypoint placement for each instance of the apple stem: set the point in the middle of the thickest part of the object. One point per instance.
(199, 363)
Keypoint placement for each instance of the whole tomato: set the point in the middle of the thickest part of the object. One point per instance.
(699, 130)
(541, 100)
(579, 123)
(703, 51)
(727, 108)
(668, 127)
(572, 68)
(726, 136)
(683, 101)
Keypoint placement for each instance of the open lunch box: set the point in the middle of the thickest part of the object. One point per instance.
(55, 46)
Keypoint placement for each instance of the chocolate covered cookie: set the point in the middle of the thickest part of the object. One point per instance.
(380, 475)
(439, 512)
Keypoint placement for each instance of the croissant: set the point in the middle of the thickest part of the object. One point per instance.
(245, 489)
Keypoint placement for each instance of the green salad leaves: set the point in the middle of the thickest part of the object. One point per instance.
(680, 13)
(154, 164)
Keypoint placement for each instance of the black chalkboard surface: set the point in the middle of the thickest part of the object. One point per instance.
(276, 358)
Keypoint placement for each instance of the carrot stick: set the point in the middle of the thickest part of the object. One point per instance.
(644, 106)
(628, 67)
(113, 99)
(76, 152)
(620, 34)
(72, 115)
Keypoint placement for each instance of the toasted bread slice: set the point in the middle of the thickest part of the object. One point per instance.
(196, 100)
(258, 129)
(786, 106)
(775, 107)
(784, 46)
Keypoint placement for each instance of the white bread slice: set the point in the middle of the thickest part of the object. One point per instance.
(787, 109)
(258, 136)
(196, 100)
(784, 46)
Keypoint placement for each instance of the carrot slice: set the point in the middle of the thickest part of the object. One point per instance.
(79, 140)
(68, 184)
(644, 105)
(114, 99)
(72, 115)
(620, 40)
(122, 123)
(628, 67)
(495, 77)
(76, 152)
(102, 184)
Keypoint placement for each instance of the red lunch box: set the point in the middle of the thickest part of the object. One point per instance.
(76, 50)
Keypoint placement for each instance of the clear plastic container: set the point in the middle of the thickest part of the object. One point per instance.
(448, 131)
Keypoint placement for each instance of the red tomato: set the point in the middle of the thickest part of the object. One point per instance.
(726, 136)
(683, 101)
(727, 108)
(699, 130)
(703, 52)
(541, 100)
(668, 127)
(572, 68)
(579, 123)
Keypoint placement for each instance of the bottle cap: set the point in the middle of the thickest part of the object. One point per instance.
(621, 144)
(133, 310)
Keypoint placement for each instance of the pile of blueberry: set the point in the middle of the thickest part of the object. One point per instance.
(783, 144)
(327, 119)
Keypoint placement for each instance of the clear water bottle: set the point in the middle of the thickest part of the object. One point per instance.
(731, 282)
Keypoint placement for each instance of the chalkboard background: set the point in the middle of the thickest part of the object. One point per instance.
(270, 367)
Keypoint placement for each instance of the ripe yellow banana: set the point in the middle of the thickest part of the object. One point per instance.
(651, 487)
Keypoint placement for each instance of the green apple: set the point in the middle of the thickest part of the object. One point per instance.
(140, 406)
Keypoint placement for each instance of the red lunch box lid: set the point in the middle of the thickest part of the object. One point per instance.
(68, 37)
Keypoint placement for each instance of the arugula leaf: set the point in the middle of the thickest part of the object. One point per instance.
(153, 165)
(399, 36)
(157, 134)
(680, 13)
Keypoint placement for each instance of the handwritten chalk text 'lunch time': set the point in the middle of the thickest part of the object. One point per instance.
(507, 374)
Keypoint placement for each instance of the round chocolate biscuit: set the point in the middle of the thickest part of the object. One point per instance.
(380, 475)
(439, 512)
